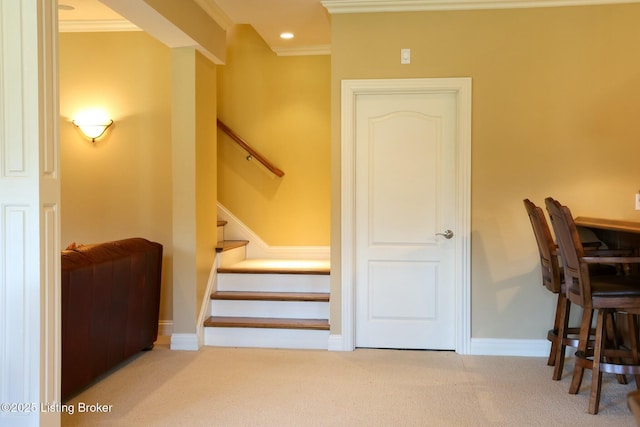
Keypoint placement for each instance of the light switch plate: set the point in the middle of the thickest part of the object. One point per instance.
(405, 56)
(638, 201)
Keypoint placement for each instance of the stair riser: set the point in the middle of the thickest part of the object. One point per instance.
(281, 309)
(266, 338)
(232, 256)
(220, 233)
(273, 282)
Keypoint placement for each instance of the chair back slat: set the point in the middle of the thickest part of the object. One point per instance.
(576, 274)
(551, 275)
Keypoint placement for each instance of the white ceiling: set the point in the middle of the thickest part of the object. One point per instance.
(85, 10)
(307, 19)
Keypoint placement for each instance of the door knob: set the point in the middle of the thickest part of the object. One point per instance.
(447, 234)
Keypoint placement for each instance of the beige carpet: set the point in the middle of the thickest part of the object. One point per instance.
(262, 387)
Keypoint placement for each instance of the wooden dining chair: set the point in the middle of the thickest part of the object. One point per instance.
(553, 280)
(608, 295)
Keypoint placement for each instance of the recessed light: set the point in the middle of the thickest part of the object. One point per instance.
(65, 7)
(286, 36)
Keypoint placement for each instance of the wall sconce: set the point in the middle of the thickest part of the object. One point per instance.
(93, 124)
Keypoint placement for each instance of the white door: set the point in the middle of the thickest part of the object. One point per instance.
(405, 203)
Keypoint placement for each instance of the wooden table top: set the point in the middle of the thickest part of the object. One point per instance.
(608, 224)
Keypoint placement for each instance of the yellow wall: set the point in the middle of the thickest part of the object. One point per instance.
(281, 106)
(120, 186)
(556, 98)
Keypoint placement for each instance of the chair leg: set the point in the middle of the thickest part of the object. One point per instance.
(596, 376)
(562, 322)
(578, 370)
(557, 338)
(551, 361)
(613, 340)
(632, 319)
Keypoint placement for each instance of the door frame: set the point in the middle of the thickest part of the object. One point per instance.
(461, 87)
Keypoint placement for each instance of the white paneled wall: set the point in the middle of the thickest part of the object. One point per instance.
(29, 213)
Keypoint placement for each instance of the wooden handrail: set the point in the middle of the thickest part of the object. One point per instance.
(249, 149)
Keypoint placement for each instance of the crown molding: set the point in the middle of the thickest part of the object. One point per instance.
(211, 8)
(303, 50)
(368, 6)
(216, 13)
(96, 26)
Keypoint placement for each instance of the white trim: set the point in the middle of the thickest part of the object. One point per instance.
(324, 49)
(462, 88)
(480, 347)
(509, 347)
(372, 6)
(95, 26)
(337, 343)
(205, 305)
(30, 279)
(258, 248)
(188, 342)
(215, 12)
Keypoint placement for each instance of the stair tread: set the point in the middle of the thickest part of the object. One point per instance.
(271, 296)
(226, 245)
(278, 266)
(267, 322)
(222, 223)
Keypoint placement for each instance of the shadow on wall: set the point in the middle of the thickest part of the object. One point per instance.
(247, 170)
(508, 294)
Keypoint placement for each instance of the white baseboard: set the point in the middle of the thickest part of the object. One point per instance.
(509, 347)
(481, 347)
(184, 342)
(205, 306)
(336, 343)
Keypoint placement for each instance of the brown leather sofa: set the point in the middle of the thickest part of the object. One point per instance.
(110, 307)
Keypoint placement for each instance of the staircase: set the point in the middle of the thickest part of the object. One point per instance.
(267, 302)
